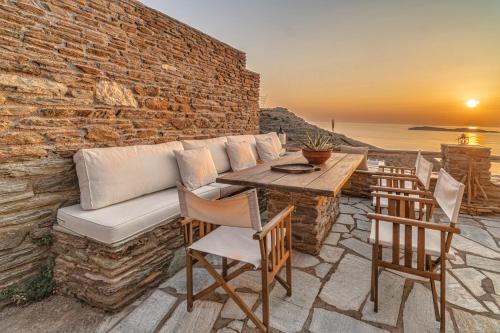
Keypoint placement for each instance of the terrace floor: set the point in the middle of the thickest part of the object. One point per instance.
(331, 293)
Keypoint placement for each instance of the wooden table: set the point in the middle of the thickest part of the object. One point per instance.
(316, 195)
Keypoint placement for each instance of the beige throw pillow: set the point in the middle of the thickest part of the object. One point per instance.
(274, 137)
(217, 147)
(197, 167)
(267, 149)
(357, 150)
(240, 155)
(245, 138)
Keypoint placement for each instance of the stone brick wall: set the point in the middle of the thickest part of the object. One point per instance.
(471, 165)
(94, 73)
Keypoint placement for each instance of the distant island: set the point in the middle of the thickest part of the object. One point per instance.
(458, 129)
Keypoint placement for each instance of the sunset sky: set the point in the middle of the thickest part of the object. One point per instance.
(397, 61)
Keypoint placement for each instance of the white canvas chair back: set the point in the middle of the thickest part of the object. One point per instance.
(424, 171)
(241, 210)
(419, 156)
(448, 194)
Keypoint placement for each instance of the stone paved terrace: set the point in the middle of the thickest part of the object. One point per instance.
(331, 293)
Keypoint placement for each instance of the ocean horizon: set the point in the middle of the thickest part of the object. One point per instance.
(398, 136)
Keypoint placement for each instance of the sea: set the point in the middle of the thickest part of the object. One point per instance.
(398, 136)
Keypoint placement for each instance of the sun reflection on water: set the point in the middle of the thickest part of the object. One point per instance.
(473, 139)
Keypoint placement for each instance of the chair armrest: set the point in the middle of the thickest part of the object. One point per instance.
(271, 224)
(186, 221)
(413, 223)
(381, 167)
(377, 188)
(403, 197)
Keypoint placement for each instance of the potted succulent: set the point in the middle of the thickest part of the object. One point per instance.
(317, 149)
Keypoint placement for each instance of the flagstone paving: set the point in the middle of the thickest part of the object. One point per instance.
(330, 292)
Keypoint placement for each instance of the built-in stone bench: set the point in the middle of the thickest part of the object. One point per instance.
(110, 276)
(124, 236)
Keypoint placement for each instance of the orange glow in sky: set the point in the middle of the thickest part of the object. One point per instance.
(412, 62)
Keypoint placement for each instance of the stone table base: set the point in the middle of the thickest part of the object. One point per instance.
(112, 276)
(312, 220)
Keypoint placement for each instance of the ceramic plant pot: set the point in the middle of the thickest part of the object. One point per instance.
(316, 157)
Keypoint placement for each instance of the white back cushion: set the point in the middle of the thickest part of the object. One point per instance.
(245, 138)
(196, 166)
(448, 194)
(217, 147)
(240, 155)
(110, 175)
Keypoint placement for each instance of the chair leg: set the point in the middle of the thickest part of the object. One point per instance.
(224, 266)
(375, 285)
(372, 289)
(433, 289)
(289, 274)
(189, 281)
(443, 295)
(265, 299)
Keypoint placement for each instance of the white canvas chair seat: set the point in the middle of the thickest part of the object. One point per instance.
(231, 242)
(432, 238)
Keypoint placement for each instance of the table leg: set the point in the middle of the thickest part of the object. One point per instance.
(312, 220)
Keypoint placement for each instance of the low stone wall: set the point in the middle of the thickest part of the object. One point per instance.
(112, 276)
(312, 219)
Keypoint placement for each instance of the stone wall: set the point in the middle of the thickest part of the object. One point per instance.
(471, 165)
(95, 73)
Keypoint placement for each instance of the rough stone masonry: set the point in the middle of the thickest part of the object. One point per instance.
(94, 73)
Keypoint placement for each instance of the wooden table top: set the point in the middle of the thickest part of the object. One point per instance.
(328, 181)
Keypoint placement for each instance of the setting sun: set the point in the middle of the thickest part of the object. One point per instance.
(472, 103)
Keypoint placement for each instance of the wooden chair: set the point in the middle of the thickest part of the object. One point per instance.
(231, 228)
(400, 230)
(413, 185)
(395, 170)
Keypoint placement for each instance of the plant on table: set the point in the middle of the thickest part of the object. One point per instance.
(317, 148)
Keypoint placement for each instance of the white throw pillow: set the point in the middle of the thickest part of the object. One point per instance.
(110, 175)
(240, 155)
(267, 149)
(274, 137)
(197, 167)
(217, 147)
(245, 138)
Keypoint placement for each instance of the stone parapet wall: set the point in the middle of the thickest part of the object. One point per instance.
(112, 276)
(94, 73)
(467, 163)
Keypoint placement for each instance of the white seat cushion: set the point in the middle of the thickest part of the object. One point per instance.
(231, 242)
(227, 189)
(432, 238)
(217, 147)
(123, 220)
